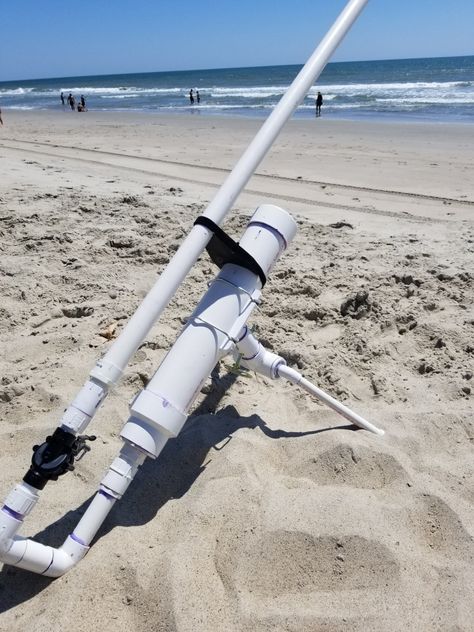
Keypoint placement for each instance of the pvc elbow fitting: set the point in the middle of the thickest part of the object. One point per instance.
(66, 557)
(45, 560)
(256, 358)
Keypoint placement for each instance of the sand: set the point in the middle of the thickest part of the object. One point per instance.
(269, 512)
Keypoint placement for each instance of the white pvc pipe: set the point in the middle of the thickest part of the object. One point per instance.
(33, 556)
(93, 517)
(296, 378)
(173, 275)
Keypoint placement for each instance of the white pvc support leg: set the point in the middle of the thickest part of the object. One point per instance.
(255, 357)
(296, 378)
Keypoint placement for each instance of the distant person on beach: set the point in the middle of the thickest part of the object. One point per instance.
(71, 101)
(191, 96)
(198, 96)
(83, 103)
(62, 99)
(319, 102)
(1, 120)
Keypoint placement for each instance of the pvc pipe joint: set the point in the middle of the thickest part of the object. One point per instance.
(22, 499)
(18, 504)
(77, 416)
(121, 472)
(146, 436)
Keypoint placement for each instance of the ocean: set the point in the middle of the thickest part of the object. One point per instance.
(434, 89)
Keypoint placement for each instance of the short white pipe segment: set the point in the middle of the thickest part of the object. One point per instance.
(296, 378)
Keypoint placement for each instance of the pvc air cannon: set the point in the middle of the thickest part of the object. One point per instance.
(216, 327)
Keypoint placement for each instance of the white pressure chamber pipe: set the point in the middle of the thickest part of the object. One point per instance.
(211, 332)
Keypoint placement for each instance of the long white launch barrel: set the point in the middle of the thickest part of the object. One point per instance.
(109, 369)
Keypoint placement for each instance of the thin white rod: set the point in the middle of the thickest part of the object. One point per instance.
(296, 378)
(186, 256)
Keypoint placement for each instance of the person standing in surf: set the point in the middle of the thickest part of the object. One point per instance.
(319, 102)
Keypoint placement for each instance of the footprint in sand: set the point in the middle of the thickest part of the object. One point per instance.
(353, 466)
(437, 526)
(284, 562)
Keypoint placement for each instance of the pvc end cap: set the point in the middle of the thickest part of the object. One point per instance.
(279, 219)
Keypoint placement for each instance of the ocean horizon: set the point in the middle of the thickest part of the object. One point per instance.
(432, 89)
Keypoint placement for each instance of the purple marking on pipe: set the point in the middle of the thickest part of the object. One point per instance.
(74, 537)
(244, 334)
(251, 357)
(109, 496)
(12, 513)
(272, 228)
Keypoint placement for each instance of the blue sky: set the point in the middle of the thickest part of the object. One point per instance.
(56, 38)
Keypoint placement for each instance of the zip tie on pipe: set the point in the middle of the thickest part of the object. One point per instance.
(296, 378)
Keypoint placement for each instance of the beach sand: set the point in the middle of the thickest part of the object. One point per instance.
(268, 512)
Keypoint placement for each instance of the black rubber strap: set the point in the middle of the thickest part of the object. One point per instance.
(223, 249)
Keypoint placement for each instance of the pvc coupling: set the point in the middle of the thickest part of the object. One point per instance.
(77, 416)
